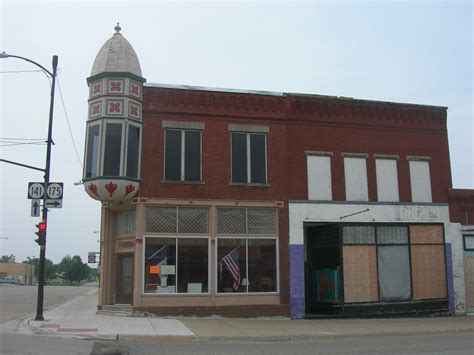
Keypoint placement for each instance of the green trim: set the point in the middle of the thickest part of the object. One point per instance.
(468, 254)
(115, 75)
(134, 120)
(111, 178)
(112, 99)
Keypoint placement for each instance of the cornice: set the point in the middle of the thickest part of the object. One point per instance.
(295, 107)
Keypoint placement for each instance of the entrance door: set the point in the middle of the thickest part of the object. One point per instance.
(322, 269)
(124, 279)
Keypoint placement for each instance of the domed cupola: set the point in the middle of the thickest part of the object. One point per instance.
(114, 124)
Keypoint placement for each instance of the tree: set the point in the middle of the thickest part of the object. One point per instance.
(10, 259)
(73, 269)
(49, 268)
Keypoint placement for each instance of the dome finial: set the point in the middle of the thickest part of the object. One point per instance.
(117, 28)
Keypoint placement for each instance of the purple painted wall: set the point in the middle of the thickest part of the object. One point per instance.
(450, 277)
(297, 292)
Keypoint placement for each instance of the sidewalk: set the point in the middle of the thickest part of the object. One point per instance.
(78, 318)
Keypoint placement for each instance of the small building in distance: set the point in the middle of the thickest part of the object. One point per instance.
(253, 203)
(23, 272)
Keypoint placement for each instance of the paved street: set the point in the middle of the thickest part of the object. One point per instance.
(73, 327)
(20, 301)
(447, 343)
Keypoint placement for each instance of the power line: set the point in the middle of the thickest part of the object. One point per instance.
(20, 71)
(22, 139)
(9, 144)
(69, 125)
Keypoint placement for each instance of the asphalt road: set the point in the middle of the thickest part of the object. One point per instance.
(446, 343)
(20, 301)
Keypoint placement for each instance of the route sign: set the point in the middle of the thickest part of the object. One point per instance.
(54, 190)
(35, 208)
(53, 203)
(92, 257)
(35, 190)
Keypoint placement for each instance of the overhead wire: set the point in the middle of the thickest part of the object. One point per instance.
(68, 124)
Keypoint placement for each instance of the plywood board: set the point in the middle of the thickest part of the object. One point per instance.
(469, 282)
(360, 273)
(426, 234)
(428, 272)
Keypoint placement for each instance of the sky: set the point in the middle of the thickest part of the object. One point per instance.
(401, 51)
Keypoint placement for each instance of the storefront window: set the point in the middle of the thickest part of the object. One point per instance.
(160, 265)
(246, 265)
(176, 265)
(193, 265)
(262, 265)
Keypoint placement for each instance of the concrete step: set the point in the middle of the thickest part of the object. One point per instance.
(116, 310)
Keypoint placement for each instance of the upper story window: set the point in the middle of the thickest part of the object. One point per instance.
(355, 171)
(318, 165)
(387, 177)
(249, 154)
(112, 149)
(125, 223)
(183, 150)
(468, 241)
(420, 179)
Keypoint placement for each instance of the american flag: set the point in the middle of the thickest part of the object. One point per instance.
(160, 257)
(231, 262)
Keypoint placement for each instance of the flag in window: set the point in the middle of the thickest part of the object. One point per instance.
(160, 257)
(231, 262)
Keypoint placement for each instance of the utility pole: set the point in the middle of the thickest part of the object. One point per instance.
(40, 297)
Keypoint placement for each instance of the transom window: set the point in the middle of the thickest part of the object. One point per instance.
(249, 158)
(182, 155)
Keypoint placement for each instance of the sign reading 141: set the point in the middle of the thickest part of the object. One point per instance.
(35, 190)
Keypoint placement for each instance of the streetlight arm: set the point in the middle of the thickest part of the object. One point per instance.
(6, 55)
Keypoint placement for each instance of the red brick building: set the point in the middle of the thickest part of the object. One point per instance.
(250, 203)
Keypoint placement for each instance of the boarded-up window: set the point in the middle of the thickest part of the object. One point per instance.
(355, 171)
(426, 234)
(428, 262)
(387, 180)
(394, 272)
(420, 181)
(319, 177)
(360, 273)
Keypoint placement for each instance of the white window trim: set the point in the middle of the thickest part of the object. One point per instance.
(183, 146)
(122, 145)
(99, 149)
(249, 163)
(170, 236)
(246, 237)
(125, 160)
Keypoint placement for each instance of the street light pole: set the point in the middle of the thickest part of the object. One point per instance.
(39, 304)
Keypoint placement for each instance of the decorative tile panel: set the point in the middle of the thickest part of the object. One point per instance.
(135, 89)
(115, 86)
(134, 110)
(96, 89)
(95, 109)
(115, 107)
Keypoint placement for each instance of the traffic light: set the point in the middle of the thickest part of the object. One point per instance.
(41, 233)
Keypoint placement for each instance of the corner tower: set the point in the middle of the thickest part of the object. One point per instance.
(114, 123)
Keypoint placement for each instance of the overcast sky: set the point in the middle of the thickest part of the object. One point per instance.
(403, 51)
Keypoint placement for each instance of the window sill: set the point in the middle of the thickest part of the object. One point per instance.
(249, 184)
(179, 182)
